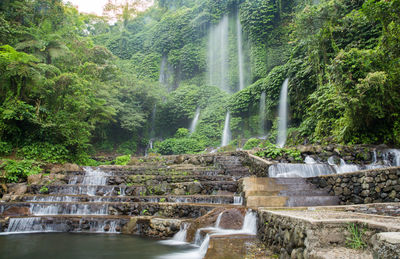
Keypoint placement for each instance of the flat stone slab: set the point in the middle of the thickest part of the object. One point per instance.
(390, 237)
(325, 215)
(340, 253)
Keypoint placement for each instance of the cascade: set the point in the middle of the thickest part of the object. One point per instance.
(240, 51)
(237, 200)
(195, 120)
(283, 114)
(218, 65)
(64, 200)
(179, 238)
(153, 122)
(163, 69)
(218, 221)
(309, 160)
(249, 227)
(262, 113)
(226, 135)
(392, 157)
(299, 170)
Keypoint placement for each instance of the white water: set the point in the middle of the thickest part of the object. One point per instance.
(249, 228)
(163, 78)
(226, 135)
(179, 238)
(218, 65)
(299, 170)
(237, 200)
(240, 52)
(262, 114)
(283, 114)
(392, 156)
(94, 176)
(218, 221)
(194, 121)
(309, 160)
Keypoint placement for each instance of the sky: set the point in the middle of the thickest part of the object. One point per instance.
(89, 6)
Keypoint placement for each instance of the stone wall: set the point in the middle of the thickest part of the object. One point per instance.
(369, 186)
(293, 234)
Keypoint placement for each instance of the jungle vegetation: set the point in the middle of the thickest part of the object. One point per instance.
(73, 85)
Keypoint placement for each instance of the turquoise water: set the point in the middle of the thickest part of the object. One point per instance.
(82, 246)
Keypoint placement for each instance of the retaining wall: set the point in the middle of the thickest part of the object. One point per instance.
(368, 186)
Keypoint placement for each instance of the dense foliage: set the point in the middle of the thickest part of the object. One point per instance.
(73, 84)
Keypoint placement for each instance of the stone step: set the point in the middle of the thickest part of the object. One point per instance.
(170, 210)
(206, 187)
(306, 201)
(266, 201)
(229, 246)
(284, 201)
(147, 179)
(148, 226)
(213, 199)
(155, 172)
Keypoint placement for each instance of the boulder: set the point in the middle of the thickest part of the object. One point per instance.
(17, 188)
(68, 167)
(232, 219)
(16, 211)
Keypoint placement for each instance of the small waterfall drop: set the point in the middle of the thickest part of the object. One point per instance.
(226, 135)
(309, 160)
(240, 52)
(262, 113)
(153, 121)
(237, 200)
(179, 238)
(194, 121)
(218, 63)
(249, 227)
(218, 221)
(283, 114)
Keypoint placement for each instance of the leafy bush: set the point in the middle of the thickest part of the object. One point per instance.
(15, 171)
(5, 148)
(272, 151)
(175, 146)
(122, 160)
(46, 152)
(251, 143)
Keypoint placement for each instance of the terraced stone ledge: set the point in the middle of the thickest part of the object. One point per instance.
(147, 226)
(321, 232)
(164, 209)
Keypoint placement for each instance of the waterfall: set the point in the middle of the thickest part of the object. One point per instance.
(309, 160)
(226, 135)
(163, 68)
(262, 113)
(283, 114)
(153, 121)
(249, 228)
(237, 200)
(392, 157)
(218, 221)
(299, 170)
(179, 238)
(195, 120)
(240, 51)
(218, 65)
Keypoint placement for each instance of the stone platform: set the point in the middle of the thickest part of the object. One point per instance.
(325, 232)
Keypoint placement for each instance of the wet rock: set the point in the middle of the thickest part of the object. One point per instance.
(65, 168)
(17, 211)
(232, 219)
(17, 188)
